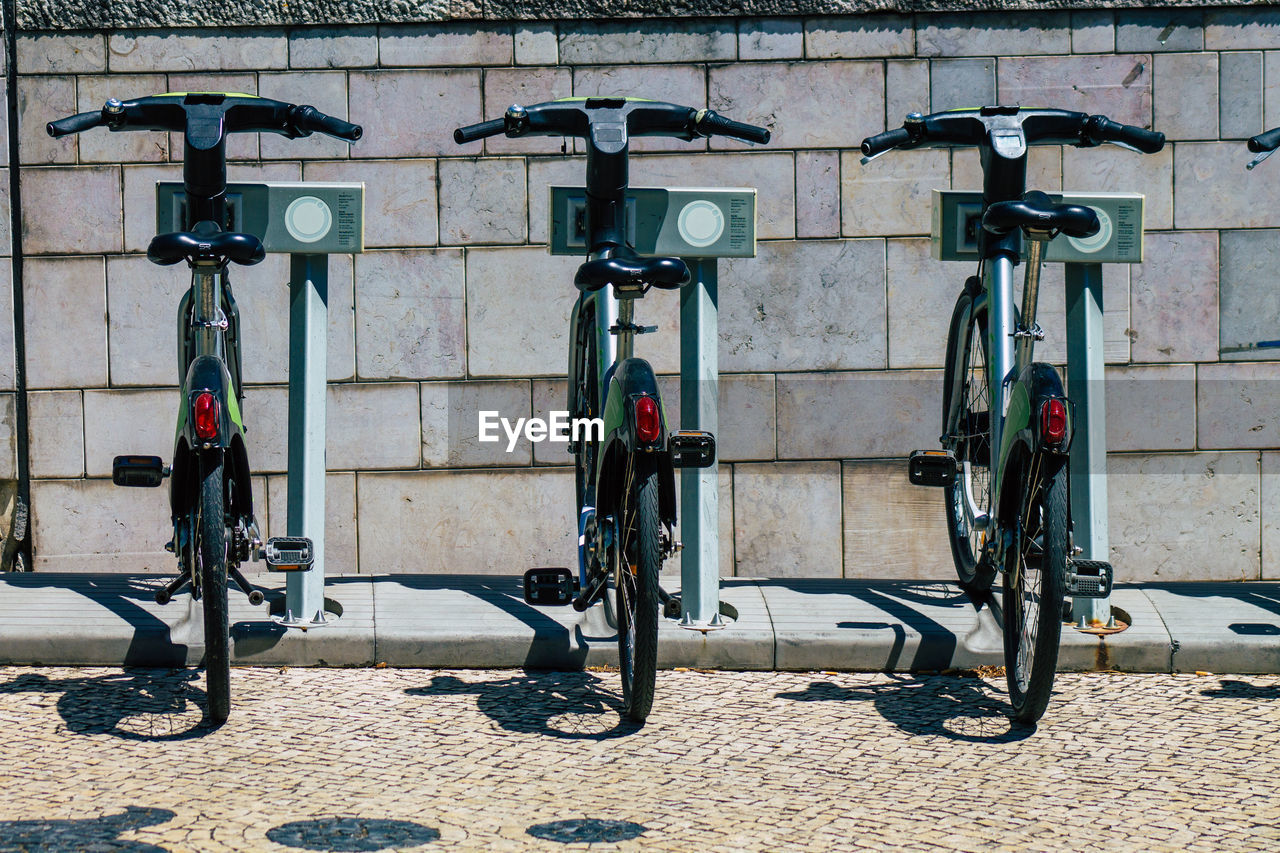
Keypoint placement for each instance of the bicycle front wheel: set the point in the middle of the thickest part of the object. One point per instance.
(211, 563)
(636, 585)
(1034, 589)
(966, 431)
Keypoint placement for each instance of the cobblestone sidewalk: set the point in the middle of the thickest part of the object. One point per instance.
(369, 759)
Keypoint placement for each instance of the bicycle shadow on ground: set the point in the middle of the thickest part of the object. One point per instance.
(140, 705)
(102, 833)
(153, 642)
(1234, 689)
(910, 611)
(1263, 595)
(960, 708)
(553, 645)
(569, 705)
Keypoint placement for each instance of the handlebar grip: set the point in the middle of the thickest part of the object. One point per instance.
(1102, 129)
(473, 132)
(74, 124)
(712, 123)
(1267, 141)
(309, 119)
(882, 142)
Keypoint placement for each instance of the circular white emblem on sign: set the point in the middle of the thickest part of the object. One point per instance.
(307, 219)
(700, 223)
(1089, 245)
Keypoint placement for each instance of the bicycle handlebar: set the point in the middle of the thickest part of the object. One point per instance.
(1099, 129)
(711, 123)
(238, 114)
(309, 119)
(874, 146)
(483, 130)
(573, 117)
(978, 126)
(74, 124)
(1268, 141)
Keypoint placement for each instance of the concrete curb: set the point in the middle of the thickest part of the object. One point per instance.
(480, 621)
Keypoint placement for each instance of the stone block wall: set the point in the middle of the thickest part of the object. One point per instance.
(831, 338)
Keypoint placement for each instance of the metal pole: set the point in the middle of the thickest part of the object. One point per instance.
(699, 409)
(1085, 378)
(308, 329)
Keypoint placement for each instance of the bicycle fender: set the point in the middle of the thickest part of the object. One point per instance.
(634, 377)
(1037, 383)
(207, 374)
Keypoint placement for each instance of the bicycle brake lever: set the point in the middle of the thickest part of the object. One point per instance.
(865, 159)
(1261, 156)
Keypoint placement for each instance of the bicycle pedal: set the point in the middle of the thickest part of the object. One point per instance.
(692, 449)
(931, 468)
(551, 587)
(1089, 578)
(143, 471)
(288, 554)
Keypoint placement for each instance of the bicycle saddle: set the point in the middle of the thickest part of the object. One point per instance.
(1036, 212)
(205, 242)
(623, 268)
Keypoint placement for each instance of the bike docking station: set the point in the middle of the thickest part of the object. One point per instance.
(957, 218)
(698, 225)
(309, 221)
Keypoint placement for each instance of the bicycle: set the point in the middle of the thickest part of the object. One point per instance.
(210, 494)
(625, 478)
(1008, 509)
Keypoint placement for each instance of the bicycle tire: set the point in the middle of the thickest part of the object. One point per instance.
(966, 432)
(637, 593)
(211, 563)
(585, 459)
(1034, 591)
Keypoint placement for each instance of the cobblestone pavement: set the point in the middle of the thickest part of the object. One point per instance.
(371, 759)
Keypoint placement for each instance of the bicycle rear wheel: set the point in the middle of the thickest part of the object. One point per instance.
(640, 558)
(1034, 589)
(966, 431)
(211, 563)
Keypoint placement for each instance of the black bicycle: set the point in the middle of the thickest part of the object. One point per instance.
(626, 492)
(1006, 420)
(210, 494)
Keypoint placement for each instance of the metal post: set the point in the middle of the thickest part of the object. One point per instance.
(699, 409)
(308, 330)
(1085, 378)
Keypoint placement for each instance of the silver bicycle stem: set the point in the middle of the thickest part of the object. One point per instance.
(207, 320)
(1030, 299)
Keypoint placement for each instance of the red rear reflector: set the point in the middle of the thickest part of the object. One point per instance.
(206, 415)
(1053, 421)
(648, 424)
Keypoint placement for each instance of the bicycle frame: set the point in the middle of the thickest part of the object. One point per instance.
(1013, 385)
